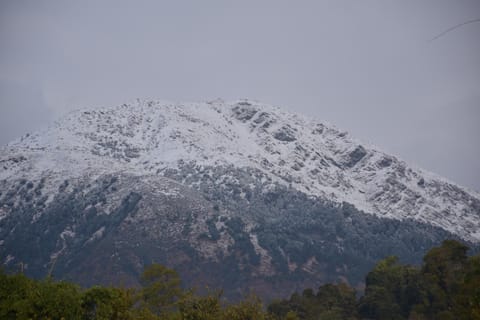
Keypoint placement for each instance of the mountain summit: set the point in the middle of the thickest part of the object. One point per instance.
(243, 186)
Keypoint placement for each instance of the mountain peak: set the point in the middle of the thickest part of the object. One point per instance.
(151, 137)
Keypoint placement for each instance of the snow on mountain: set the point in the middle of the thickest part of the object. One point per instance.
(150, 138)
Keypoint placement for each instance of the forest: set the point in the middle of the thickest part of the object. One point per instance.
(446, 286)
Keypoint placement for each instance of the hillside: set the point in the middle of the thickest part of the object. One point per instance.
(240, 195)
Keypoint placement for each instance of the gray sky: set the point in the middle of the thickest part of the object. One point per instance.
(366, 66)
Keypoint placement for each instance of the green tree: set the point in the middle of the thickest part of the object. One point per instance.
(391, 290)
(161, 289)
(15, 293)
(248, 309)
(103, 303)
(468, 298)
(194, 307)
(443, 274)
(337, 301)
(54, 300)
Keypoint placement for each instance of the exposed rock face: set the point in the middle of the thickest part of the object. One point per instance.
(238, 195)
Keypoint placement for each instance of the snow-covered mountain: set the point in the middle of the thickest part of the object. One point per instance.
(149, 138)
(242, 195)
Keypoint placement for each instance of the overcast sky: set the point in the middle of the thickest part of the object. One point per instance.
(366, 66)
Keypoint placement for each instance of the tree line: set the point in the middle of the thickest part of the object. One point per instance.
(446, 286)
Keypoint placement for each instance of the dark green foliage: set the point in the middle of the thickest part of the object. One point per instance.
(161, 298)
(447, 286)
(249, 308)
(23, 298)
(331, 302)
(236, 229)
(201, 307)
(391, 290)
(32, 239)
(446, 276)
(161, 290)
(107, 303)
(291, 224)
(56, 300)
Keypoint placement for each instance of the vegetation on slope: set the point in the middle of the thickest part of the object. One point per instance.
(446, 286)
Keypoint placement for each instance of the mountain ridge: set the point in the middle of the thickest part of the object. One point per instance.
(150, 137)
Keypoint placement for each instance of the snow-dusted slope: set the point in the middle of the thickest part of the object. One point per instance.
(151, 137)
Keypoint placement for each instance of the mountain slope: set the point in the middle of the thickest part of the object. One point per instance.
(245, 190)
(319, 160)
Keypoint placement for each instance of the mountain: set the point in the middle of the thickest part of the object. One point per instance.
(239, 195)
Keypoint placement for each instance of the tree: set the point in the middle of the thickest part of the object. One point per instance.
(14, 296)
(248, 309)
(391, 290)
(161, 290)
(201, 308)
(443, 273)
(107, 303)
